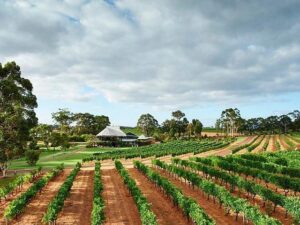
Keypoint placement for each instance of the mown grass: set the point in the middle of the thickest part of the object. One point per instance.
(51, 158)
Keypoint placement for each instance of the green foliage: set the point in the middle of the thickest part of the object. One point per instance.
(170, 148)
(236, 204)
(17, 183)
(16, 206)
(57, 202)
(147, 216)
(283, 181)
(42, 132)
(63, 118)
(147, 123)
(97, 216)
(32, 156)
(86, 123)
(248, 186)
(292, 204)
(17, 116)
(188, 205)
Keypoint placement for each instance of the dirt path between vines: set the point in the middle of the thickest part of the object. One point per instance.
(271, 146)
(212, 209)
(78, 206)
(257, 201)
(34, 211)
(120, 207)
(259, 148)
(163, 207)
(227, 150)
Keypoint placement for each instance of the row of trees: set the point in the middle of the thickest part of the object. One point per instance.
(79, 123)
(231, 122)
(68, 127)
(177, 126)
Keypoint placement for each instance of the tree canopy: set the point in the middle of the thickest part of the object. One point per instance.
(17, 116)
(147, 123)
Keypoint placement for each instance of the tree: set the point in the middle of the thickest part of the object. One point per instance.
(190, 129)
(86, 123)
(42, 132)
(100, 122)
(64, 142)
(231, 119)
(272, 123)
(178, 115)
(295, 116)
(178, 125)
(17, 116)
(55, 140)
(285, 122)
(147, 123)
(63, 118)
(198, 126)
(32, 156)
(61, 140)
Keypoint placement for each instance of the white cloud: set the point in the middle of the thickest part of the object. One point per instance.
(161, 53)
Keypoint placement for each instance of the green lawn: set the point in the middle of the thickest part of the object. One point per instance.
(50, 159)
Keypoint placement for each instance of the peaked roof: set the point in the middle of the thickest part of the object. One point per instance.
(110, 131)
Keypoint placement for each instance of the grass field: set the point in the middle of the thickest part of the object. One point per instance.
(51, 158)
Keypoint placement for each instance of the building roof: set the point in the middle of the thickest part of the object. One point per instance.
(143, 137)
(111, 131)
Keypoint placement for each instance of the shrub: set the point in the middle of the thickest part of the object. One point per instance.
(32, 156)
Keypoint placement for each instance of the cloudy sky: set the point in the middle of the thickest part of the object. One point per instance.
(123, 58)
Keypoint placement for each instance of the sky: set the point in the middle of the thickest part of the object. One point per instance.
(123, 58)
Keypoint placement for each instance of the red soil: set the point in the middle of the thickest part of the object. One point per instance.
(261, 145)
(272, 146)
(78, 206)
(120, 207)
(161, 205)
(283, 144)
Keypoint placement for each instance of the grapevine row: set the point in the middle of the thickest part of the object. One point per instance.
(18, 183)
(285, 182)
(248, 186)
(237, 149)
(98, 202)
(57, 203)
(171, 148)
(17, 206)
(188, 205)
(147, 216)
(255, 145)
(224, 197)
(269, 167)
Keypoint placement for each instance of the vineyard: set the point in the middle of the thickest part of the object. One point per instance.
(254, 180)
